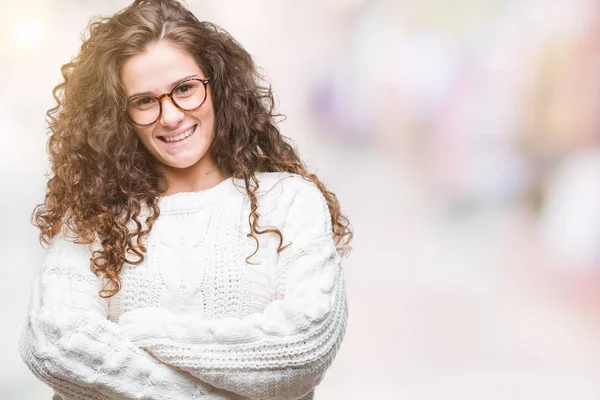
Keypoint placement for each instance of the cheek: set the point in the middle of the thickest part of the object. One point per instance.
(206, 113)
(144, 135)
(207, 118)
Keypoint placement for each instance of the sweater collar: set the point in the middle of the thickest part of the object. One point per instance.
(191, 201)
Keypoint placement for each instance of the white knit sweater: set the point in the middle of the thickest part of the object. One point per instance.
(194, 320)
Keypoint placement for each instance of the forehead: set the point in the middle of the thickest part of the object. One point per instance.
(156, 68)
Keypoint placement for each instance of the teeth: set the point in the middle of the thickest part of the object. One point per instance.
(180, 136)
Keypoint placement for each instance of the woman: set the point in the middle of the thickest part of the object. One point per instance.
(191, 254)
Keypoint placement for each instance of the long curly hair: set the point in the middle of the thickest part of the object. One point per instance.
(104, 181)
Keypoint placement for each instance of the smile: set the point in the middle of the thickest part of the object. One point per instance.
(180, 137)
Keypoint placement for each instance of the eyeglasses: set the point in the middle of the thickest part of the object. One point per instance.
(189, 95)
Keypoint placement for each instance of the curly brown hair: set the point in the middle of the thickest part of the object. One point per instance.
(104, 180)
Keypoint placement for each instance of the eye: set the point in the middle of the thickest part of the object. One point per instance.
(144, 103)
(184, 89)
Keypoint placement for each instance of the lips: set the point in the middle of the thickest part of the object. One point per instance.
(175, 138)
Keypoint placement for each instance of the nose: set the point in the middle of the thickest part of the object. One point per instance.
(171, 115)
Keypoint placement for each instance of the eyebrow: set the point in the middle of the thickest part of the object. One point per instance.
(173, 84)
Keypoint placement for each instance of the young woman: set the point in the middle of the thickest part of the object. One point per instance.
(191, 255)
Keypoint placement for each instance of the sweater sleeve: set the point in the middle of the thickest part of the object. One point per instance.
(281, 353)
(68, 343)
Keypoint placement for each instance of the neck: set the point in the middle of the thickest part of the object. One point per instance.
(200, 176)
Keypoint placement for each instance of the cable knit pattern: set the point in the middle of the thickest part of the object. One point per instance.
(212, 326)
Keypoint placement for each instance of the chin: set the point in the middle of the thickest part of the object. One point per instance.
(184, 163)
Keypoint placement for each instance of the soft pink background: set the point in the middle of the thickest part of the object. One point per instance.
(461, 139)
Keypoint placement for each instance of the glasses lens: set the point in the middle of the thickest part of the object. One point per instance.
(143, 110)
(189, 95)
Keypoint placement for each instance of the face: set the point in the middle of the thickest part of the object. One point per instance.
(178, 139)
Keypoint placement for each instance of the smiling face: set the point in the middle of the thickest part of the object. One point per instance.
(179, 140)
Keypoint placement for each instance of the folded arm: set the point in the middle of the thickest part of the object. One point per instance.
(69, 344)
(281, 353)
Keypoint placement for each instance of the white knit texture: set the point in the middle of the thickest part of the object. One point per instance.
(194, 320)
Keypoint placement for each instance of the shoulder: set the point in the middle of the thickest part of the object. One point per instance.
(296, 197)
(67, 247)
(287, 185)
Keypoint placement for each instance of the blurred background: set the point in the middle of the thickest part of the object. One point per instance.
(462, 139)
